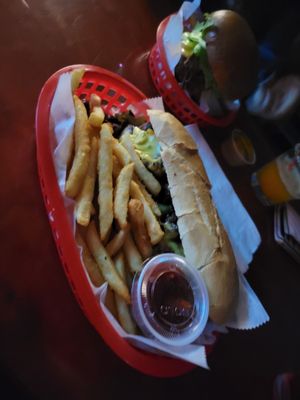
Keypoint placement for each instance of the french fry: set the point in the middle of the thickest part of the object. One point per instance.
(117, 241)
(140, 235)
(153, 228)
(76, 76)
(152, 203)
(116, 167)
(105, 198)
(105, 263)
(84, 206)
(110, 301)
(94, 132)
(121, 197)
(119, 262)
(89, 263)
(82, 150)
(129, 278)
(123, 311)
(133, 257)
(70, 154)
(121, 153)
(96, 117)
(143, 173)
(121, 157)
(95, 101)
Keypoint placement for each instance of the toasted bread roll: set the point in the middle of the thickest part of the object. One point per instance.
(204, 240)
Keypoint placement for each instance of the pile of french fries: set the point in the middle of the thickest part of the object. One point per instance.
(117, 217)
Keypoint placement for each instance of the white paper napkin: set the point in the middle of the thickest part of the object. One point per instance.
(62, 118)
(174, 31)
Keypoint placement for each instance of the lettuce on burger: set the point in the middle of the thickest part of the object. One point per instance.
(219, 55)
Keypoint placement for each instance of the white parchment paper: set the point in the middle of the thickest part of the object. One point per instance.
(174, 31)
(249, 313)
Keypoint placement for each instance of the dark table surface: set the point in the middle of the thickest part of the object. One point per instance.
(48, 348)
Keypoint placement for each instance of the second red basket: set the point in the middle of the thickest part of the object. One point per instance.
(173, 95)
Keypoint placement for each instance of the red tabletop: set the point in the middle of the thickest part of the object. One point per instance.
(47, 344)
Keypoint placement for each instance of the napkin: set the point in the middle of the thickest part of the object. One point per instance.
(62, 119)
(174, 31)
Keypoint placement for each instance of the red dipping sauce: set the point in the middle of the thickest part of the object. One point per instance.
(169, 300)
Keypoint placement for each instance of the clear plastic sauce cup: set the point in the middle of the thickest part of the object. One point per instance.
(238, 149)
(170, 300)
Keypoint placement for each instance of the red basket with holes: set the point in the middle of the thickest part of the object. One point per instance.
(116, 94)
(177, 100)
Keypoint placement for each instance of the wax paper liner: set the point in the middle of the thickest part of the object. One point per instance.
(174, 31)
(249, 313)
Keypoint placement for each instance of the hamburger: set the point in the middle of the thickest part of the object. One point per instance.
(219, 58)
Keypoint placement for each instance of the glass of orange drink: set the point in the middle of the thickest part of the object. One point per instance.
(279, 180)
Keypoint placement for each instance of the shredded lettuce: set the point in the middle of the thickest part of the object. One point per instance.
(193, 44)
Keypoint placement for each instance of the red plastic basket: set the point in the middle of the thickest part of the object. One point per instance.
(181, 105)
(115, 92)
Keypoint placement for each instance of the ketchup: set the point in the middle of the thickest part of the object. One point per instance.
(171, 298)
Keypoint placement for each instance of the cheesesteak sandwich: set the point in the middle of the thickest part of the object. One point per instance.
(204, 240)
